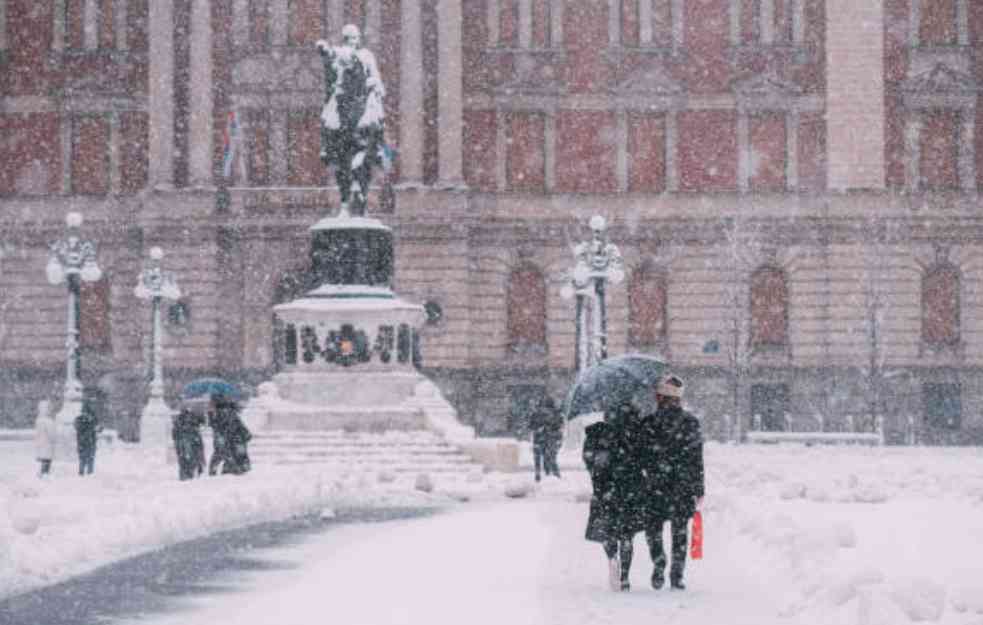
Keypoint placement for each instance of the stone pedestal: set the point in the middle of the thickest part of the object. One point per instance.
(350, 346)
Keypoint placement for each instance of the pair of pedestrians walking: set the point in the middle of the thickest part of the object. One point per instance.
(86, 437)
(646, 470)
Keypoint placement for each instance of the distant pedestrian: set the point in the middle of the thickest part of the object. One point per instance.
(45, 434)
(671, 458)
(188, 444)
(546, 423)
(86, 433)
(615, 507)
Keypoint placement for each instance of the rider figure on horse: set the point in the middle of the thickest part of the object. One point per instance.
(352, 119)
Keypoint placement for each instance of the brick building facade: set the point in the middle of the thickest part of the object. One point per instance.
(793, 184)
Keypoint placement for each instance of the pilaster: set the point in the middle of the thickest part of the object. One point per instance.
(161, 97)
(201, 111)
(411, 94)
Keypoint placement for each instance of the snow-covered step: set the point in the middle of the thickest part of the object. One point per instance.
(397, 452)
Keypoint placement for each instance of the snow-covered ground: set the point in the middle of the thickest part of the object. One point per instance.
(798, 535)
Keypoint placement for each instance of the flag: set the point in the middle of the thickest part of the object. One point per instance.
(232, 140)
(387, 155)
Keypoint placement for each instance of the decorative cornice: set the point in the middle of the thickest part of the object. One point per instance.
(940, 86)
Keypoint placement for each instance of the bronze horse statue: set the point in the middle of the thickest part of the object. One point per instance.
(352, 119)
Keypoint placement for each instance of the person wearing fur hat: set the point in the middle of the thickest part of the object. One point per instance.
(671, 459)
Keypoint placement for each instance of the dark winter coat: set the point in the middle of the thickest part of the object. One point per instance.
(188, 444)
(231, 438)
(546, 423)
(616, 507)
(86, 431)
(670, 454)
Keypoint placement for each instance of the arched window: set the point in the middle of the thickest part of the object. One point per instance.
(940, 306)
(647, 323)
(527, 310)
(769, 308)
(94, 322)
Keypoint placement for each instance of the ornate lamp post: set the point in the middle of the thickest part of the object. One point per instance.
(71, 261)
(155, 285)
(597, 263)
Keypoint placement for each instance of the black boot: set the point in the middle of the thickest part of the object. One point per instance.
(658, 578)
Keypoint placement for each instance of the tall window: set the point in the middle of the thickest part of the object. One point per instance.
(647, 323)
(769, 308)
(940, 306)
(94, 322)
(527, 310)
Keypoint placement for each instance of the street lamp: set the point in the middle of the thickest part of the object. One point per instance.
(154, 284)
(72, 260)
(597, 263)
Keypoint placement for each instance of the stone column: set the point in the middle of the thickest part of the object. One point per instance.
(58, 28)
(411, 94)
(672, 139)
(90, 25)
(549, 151)
(240, 22)
(743, 152)
(65, 135)
(915, 23)
(200, 103)
(525, 24)
(278, 148)
(767, 22)
(735, 22)
(792, 150)
(450, 100)
(335, 13)
(621, 167)
(279, 18)
(373, 23)
(501, 149)
(913, 151)
(121, 18)
(967, 150)
(798, 22)
(645, 22)
(678, 24)
(493, 22)
(962, 21)
(556, 24)
(161, 98)
(3, 24)
(614, 22)
(855, 116)
(115, 170)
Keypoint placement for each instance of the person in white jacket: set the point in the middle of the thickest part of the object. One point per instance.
(45, 434)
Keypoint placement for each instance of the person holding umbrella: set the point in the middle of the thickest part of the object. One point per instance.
(617, 490)
(671, 459)
(231, 438)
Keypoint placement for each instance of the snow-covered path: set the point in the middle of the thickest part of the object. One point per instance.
(514, 562)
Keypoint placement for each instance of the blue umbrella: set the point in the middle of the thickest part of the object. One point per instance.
(208, 387)
(613, 382)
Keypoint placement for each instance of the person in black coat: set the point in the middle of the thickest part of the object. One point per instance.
(616, 505)
(671, 458)
(546, 423)
(231, 437)
(188, 444)
(86, 433)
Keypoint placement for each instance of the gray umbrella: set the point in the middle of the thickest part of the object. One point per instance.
(612, 382)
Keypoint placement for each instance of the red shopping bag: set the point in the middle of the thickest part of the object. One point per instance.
(696, 544)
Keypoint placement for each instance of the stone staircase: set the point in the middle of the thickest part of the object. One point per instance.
(394, 452)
